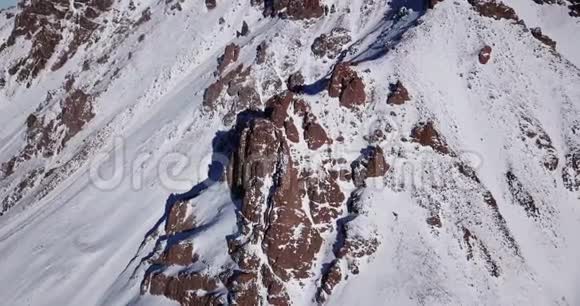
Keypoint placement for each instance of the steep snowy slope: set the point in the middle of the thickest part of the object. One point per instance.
(289, 153)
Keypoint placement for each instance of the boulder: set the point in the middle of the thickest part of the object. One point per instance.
(484, 55)
(210, 4)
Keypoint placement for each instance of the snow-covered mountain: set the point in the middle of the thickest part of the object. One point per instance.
(290, 152)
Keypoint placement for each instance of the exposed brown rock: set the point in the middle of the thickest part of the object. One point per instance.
(426, 135)
(376, 166)
(178, 219)
(346, 84)
(277, 295)
(301, 108)
(331, 44)
(230, 56)
(353, 94)
(193, 289)
(181, 254)
(398, 95)
(277, 108)
(371, 164)
(291, 131)
(325, 197)
(270, 214)
(241, 93)
(545, 39)
(493, 9)
(40, 22)
(357, 246)
(243, 288)
(77, 110)
(330, 279)
(314, 133)
(45, 136)
(484, 55)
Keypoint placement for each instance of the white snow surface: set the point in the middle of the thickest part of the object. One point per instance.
(78, 244)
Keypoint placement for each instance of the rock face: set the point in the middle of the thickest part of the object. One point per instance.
(545, 39)
(484, 55)
(266, 179)
(348, 86)
(399, 94)
(331, 44)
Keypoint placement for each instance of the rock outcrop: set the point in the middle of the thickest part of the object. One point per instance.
(266, 179)
(398, 95)
(494, 9)
(314, 133)
(294, 9)
(370, 165)
(42, 136)
(40, 22)
(425, 134)
(347, 86)
(230, 56)
(331, 44)
(545, 39)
